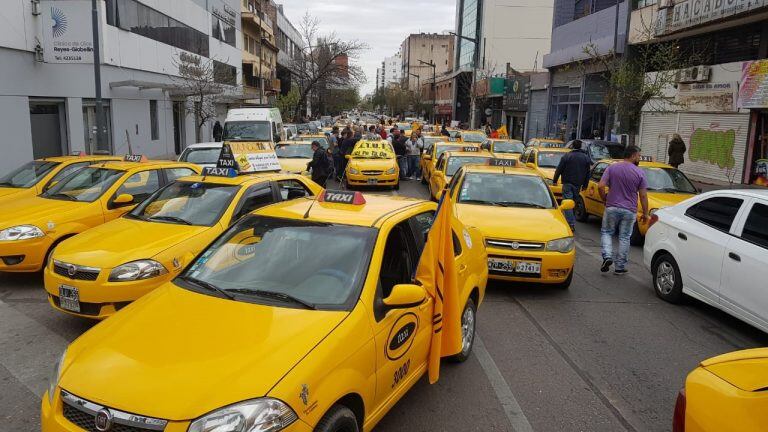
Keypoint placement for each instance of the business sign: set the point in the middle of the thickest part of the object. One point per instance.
(67, 31)
(708, 97)
(249, 157)
(753, 91)
(516, 92)
(690, 13)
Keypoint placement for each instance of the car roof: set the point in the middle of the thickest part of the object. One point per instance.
(295, 142)
(81, 158)
(642, 163)
(754, 193)
(520, 169)
(206, 145)
(603, 142)
(450, 153)
(372, 213)
(237, 180)
(126, 166)
(551, 149)
(505, 140)
(548, 140)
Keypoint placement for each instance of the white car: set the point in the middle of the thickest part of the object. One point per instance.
(203, 154)
(714, 248)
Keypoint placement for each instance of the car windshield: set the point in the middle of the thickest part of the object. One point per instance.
(456, 162)
(322, 140)
(85, 185)
(505, 190)
(444, 148)
(404, 126)
(277, 262)
(203, 155)
(549, 159)
(477, 137)
(508, 147)
(431, 140)
(294, 151)
(186, 203)
(601, 151)
(247, 131)
(28, 174)
(668, 180)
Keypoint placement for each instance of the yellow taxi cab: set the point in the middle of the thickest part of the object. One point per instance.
(372, 163)
(477, 137)
(544, 160)
(502, 147)
(449, 163)
(151, 244)
(432, 153)
(526, 234)
(667, 186)
(321, 138)
(303, 316)
(35, 177)
(30, 228)
(294, 155)
(545, 143)
(726, 393)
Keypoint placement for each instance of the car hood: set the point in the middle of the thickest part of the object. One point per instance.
(296, 166)
(193, 353)
(661, 200)
(123, 240)
(548, 172)
(37, 211)
(747, 369)
(7, 191)
(514, 223)
(372, 164)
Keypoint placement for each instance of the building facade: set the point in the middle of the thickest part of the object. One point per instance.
(47, 89)
(291, 47)
(419, 49)
(392, 70)
(260, 51)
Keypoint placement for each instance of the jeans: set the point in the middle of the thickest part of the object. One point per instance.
(414, 170)
(338, 164)
(571, 192)
(402, 162)
(624, 220)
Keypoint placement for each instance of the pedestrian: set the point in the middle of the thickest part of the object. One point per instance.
(398, 144)
(444, 130)
(372, 135)
(625, 182)
(488, 129)
(319, 164)
(336, 151)
(414, 147)
(218, 131)
(574, 169)
(347, 145)
(676, 150)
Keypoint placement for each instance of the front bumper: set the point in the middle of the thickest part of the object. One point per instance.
(379, 180)
(24, 255)
(555, 266)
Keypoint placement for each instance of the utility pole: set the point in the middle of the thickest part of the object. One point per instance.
(473, 98)
(434, 88)
(101, 141)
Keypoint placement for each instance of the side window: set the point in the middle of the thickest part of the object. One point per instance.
(67, 171)
(756, 227)
(174, 173)
(398, 265)
(420, 225)
(527, 156)
(455, 180)
(291, 189)
(441, 162)
(456, 244)
(597, 172)
(255, 197)
(141, 185)
(717, 212)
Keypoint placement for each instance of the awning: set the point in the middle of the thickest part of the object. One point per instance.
(145, 85)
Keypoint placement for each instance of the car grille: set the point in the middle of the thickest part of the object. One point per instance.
(82, 414)
(80, 273)
(373, 172)
(514, 244)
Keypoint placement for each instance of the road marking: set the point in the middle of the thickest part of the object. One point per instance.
(500, 386)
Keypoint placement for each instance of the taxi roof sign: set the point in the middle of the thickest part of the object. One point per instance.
(78, 153)
(644, 158)
(247, 158)
(134, 158)
(470, 149)
(507, 163)
(219, 172)
(341, 197)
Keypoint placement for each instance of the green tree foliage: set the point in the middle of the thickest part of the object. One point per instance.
(288, 103)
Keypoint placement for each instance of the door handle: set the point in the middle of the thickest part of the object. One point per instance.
(462, 268)
(682, 236)
(734, 257)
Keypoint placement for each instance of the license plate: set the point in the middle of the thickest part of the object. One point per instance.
(373, 181)
(69, 298)
(512, 266)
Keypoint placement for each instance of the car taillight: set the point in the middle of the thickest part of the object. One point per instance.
(653, 219)
(678, 421)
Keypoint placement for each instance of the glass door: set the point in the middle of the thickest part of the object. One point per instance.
(89, 128)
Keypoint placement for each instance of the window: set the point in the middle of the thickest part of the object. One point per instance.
(398, 265)
(255, 197)
(224, 73)
(597, 172)
(456, 244)
(67, 171)
(756, 227)
(173, 173)
(141, 185)
(421, 224)
(291, 189)
(223, 30)
(718, 212)
(153, 123)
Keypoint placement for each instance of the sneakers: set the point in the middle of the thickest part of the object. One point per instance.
(607, 263)
(620, 272)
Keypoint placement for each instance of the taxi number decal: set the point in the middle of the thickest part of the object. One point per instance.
(401, 373)
(401, 336)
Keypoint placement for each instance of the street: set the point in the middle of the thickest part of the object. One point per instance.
(605, 355)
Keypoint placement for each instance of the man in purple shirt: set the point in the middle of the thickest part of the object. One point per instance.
(625, 182)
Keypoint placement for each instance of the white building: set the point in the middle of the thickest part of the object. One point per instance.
(392, 72)
(47, 88)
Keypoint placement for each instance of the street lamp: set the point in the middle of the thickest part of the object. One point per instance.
(472, 108)
(434, 87)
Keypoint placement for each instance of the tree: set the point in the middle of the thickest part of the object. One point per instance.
(338, 100)
(287, 104)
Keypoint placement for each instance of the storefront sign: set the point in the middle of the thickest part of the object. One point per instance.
(67, 31)
(708, 97)
(690, 13)
(753, 92)
(516, 93)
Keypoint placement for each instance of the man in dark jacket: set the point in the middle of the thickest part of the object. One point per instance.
(347, 145)
(676, 151)
(574, 168)
(398, 144)
(444, 131)
(319, 164)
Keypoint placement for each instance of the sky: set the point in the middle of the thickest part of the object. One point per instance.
(382, 24)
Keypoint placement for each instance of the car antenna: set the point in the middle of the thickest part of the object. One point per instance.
(306, 214)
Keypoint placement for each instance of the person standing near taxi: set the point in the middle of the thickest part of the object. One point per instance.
(626, 181)
(319, 164)
(574, 169)
(414, 146)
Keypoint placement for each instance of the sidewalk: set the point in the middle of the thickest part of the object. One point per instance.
(710, 185)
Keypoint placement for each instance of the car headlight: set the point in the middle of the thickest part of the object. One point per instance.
(353, 171)
(391, 170)
(21, 232)
(137, 270)
(258, 415)
(55, 375)
(563, 245)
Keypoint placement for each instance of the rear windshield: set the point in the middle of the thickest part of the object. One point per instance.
(206, 155)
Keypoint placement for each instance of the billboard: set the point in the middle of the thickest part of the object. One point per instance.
(67, 31)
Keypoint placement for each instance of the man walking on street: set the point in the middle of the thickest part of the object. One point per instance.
(398, 144)
(414, 147)
(319, 164)
(574, 168)
(626, 181)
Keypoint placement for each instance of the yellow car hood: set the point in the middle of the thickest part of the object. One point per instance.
(193, 353)
(372, 164)
(36, 211)
(296, 166)
(548, 172)
(747, 369)
(7, 191)
(514, 223)
(661, 200)
(123, 240)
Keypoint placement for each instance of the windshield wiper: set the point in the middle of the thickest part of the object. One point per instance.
(286, 298)
(63, 195)
(207, 285)
(519, 204)
(170, 219)
(7, 183)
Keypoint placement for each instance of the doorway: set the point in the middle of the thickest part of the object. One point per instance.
(49, 128)
(178, 126)
(89, 127)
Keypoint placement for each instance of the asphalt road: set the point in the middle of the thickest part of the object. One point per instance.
(605, 355)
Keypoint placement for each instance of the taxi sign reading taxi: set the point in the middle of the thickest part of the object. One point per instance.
(342, 197)
(470, 149)
(508, 163)
(219, 172)
(646, 158)
(134, 158)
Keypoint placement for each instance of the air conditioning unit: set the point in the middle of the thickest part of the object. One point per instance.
(665, 4)
(251, 8)
(694, 74)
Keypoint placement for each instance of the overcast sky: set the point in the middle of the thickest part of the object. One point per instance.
(382, 24)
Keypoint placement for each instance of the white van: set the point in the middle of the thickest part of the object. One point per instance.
(254, 124)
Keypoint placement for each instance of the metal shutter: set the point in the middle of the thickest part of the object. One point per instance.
(656, 130)
(537, 115)
(714, 132)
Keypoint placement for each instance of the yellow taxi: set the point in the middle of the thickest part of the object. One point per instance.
(476, 137)
(35, 177)
(545, 143)
(433, 152)
(449, 163)
(30, 228)
(502, 147)
(303, 316)
(526, 234)
(544, 160)
(667, 186)
(726, 393)
(294, 155)
(321, 138)
(372, 163)
(151, 244)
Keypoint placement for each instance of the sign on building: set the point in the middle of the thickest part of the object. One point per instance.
(708, 97)
(690, 13)
(516, 93)
(67, 31)
(753, 91)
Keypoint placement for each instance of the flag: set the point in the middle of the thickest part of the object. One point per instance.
(437, 274)
(503, 132)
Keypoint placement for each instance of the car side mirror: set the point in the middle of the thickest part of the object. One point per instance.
(347, 157)
(567, 204)
(405, 296)
(123, 200)
(530, 165)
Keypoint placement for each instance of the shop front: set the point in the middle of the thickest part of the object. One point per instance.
(753, 95)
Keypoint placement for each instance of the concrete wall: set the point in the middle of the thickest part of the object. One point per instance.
(427, 47)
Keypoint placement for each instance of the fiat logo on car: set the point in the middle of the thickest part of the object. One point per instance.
(515, 245)
(71, 269)
(103, 420)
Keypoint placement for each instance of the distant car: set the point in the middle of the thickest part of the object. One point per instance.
(545, 142)
(714, 248)
(599, 150)
(203, 154)
(290, 130)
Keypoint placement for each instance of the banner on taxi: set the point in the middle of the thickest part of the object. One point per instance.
(248, 157)
(373, 149)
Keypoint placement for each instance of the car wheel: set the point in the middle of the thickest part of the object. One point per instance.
(338, 419)
(347, 186)
(468, 324)
(667, 281)
(567, 283)
(636, 239)
(580, 211)
(396, 186)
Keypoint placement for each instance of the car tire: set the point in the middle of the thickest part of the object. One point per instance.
(580, 211)
(396, 186)
(667, 280)
(338, 419)
(347, 186)
(566, 283)
(636, 239)
(468, 327)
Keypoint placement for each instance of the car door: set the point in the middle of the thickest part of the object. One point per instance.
(289, 189)
(700, 238)
(140, 185)
(743, 289)
(592, 200)
(437, 179)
